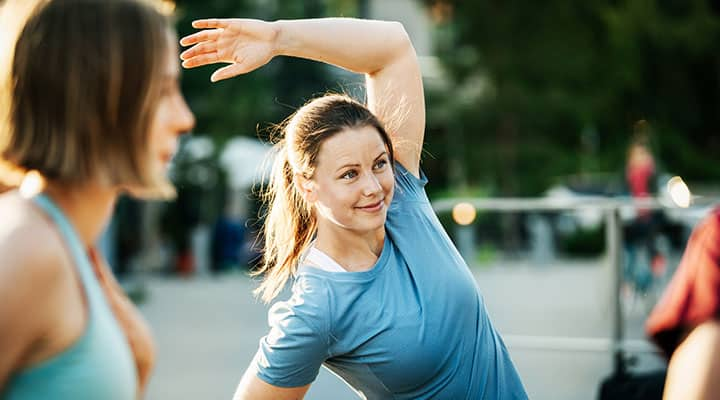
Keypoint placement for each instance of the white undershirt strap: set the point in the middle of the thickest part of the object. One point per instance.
(318, 259)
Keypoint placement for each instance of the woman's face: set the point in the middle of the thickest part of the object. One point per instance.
(353, 182)
(172, 116)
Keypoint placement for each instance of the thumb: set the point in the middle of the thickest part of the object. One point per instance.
(227, 72)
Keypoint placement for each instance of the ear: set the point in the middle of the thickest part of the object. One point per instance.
(306, 187)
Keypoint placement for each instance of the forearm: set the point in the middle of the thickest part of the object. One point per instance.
(362, 46)
(253, 388)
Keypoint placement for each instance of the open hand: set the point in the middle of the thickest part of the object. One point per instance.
(246, 44)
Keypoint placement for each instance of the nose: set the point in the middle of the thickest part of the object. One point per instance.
(184, 118)
(371, 185)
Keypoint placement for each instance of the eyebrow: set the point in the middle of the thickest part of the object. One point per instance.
(357, 165)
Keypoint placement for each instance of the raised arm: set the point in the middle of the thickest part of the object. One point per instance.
(380, 50)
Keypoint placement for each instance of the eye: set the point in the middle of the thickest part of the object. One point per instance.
(380, 164)
(349, 174)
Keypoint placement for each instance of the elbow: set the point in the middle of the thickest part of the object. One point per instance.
(395, 46)
(401, 38)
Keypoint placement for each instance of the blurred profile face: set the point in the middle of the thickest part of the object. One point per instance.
(352, 185)
(172, 116)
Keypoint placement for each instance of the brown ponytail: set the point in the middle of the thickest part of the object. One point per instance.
(289, 227)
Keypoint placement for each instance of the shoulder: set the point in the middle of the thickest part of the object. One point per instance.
(33, 271)
(712, 223)
(707, 234)
(308, 305)
(33, 255)
(695, 365)
(699, 340)
(408, 186)
(298, 342)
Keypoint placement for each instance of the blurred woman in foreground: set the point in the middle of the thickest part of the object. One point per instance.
(94, 111)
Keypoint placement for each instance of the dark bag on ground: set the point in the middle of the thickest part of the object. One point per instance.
(633, 386)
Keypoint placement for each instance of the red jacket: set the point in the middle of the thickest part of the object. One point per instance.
(693, 295)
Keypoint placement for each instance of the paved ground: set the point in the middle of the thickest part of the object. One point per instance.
(207, 331)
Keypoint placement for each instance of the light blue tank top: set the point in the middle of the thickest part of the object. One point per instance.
(99, 365)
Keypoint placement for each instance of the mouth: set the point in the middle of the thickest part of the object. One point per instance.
(166, 158)
(374, 207)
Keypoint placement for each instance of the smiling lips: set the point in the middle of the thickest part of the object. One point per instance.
(372, 207)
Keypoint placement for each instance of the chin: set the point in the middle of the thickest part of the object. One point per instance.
(373, 225)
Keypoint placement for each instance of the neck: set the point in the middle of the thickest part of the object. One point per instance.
(88, 208)
(354, 251)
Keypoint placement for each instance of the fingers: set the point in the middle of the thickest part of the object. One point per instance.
(197, 61)
(202, 36)
(204, 48)
(199, 49)
(227, 72)
(210, 23)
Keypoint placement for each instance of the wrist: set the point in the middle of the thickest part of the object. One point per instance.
(279, 37)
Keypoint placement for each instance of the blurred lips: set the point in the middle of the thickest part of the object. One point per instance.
(166, 157)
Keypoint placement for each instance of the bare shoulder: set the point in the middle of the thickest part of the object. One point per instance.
(695, 365)
(32, 251)
(704, 338)
(33, 275)
(706, 334)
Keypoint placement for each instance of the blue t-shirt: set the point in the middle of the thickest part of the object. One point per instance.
(412, 327)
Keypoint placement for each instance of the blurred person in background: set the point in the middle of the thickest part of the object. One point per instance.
(684, 323)
(381, 295)
(643, 259)
(94, 111)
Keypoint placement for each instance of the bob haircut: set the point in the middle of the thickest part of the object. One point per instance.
(83, 90)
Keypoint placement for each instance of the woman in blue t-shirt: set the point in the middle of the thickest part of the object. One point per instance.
(380, 295)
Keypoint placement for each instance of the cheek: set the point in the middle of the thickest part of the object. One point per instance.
(338, 197)
(345, 196)
(155, 134)
(158, 127)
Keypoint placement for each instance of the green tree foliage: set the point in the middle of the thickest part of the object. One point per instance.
(542, 89)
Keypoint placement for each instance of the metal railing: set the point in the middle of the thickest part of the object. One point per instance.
(611, 209)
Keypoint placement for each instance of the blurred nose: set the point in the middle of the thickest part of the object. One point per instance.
(371, 185)
(185, 119)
